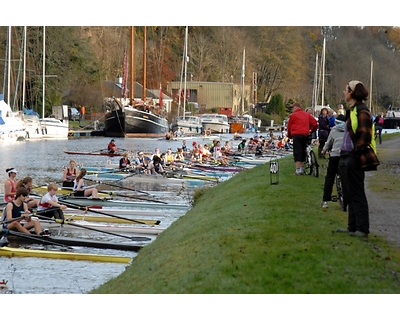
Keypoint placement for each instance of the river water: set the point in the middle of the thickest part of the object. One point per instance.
(44, 162)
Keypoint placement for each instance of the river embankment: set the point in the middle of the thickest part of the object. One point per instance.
(248, 235)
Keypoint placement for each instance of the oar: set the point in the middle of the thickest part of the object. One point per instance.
(117, 186)
(60, 221)
(26, 236)
(73, 205)
(30, 215)
(139, 198)
(14, 219)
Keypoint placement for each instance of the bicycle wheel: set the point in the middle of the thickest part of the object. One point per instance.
(339, 191)
(314, 164)
(307, 163)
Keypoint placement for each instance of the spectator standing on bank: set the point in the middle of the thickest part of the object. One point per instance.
(300, 126)
(357, 155)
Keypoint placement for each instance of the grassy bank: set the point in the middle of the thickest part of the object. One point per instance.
(248, 236)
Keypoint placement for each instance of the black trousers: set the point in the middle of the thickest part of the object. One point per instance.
(354, 193)
(332, 170)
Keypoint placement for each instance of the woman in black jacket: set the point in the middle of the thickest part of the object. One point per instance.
(323, 130)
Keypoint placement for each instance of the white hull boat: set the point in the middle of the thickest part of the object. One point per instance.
(12, 126)
(191, 125)
(54, 128)
(216, 123)
(33, 127)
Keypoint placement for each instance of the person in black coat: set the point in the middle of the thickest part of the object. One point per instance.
(323, 130)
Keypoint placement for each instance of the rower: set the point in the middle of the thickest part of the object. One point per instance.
(50, 200)
(112, 147)
(139, 161)
(79, 187)
(10, 185)
(124, 162)
(69, 174)
(27, 183)
(18, 208)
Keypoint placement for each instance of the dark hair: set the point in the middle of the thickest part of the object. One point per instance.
(81, 174)
(360, 92)
(21, 192)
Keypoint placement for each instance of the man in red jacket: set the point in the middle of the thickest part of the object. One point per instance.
(300, 126)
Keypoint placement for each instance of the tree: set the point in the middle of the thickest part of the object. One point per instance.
(277, 106)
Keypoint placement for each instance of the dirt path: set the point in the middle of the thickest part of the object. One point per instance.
(382, 189)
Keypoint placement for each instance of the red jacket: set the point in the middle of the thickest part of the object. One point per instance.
(301, 122)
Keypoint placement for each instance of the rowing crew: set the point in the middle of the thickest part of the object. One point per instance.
(71, 179)
(16, 215)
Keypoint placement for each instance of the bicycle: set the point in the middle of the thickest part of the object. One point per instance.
(311, 166)
(339, 197)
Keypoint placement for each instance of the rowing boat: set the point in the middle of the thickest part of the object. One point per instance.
(67, 192)
(106, 210)
(122, 204)
(101, 153)
(68, 241)
(217, 168)
(148, 230)
(108, 176)
(21, 252)
(99, 218)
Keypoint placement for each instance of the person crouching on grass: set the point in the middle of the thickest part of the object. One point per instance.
(15, 209)
(49, 201)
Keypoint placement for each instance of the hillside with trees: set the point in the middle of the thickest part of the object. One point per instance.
(80, 59)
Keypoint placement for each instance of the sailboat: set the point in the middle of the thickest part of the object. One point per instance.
(241, 122)
(139, 118)
(317, 88)
(187, 122)
(12, 127)
(31, 118)
(55, 126)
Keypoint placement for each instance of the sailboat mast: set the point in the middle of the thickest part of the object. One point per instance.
(323, 74)
(132, 68)
(44, 70)
(370, 87)
(185, 72)
(24, 71)
(144, 65)
(9, 65)
(314, 96)
(242, 82)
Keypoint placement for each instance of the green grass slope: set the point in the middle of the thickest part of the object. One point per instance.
(247, 235)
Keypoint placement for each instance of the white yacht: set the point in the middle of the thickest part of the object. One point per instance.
(12, 126)
(216, 123)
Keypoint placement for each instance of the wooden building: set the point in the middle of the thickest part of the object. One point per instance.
(212, 95)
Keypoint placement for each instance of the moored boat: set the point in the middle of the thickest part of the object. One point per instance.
(53, 128)
(392, 118)
(12, 127)
(216, 123)
(133, 122)
(189, 124)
